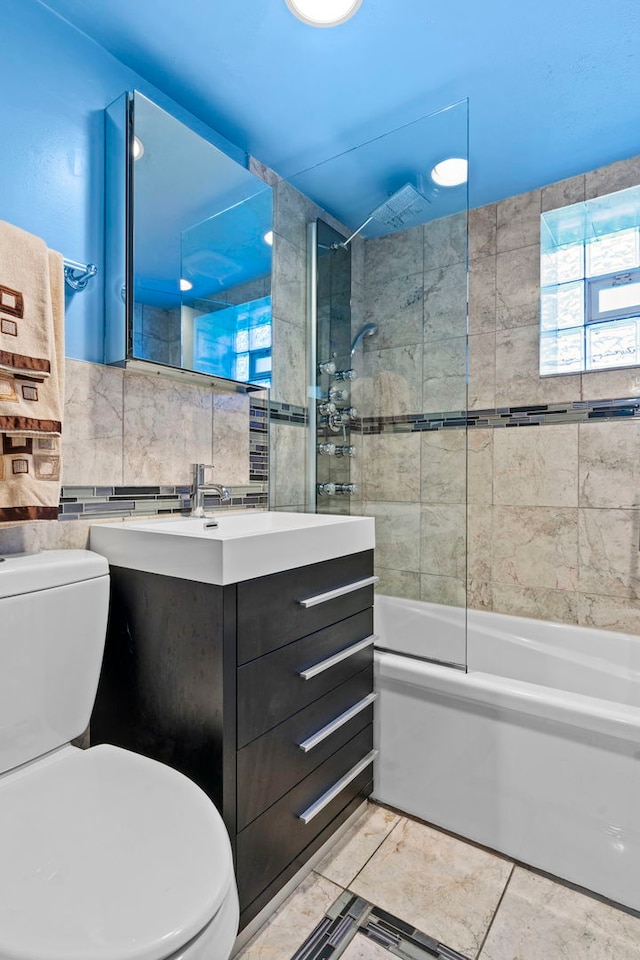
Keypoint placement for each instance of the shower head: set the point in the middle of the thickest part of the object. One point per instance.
(367, 331)
(403, 205)
(400, 208)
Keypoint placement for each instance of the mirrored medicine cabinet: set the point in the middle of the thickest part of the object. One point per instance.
(188, 252)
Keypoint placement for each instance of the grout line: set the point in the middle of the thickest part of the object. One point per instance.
(495, 912)
(381, 844)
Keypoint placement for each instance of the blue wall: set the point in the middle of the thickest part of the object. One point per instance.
(55, 85)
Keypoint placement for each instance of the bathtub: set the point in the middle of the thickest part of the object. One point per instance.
(534, 752)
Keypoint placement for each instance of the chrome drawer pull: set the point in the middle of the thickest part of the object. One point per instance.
(337, 788)
(340, 721)
(338, 592)
(338, 657)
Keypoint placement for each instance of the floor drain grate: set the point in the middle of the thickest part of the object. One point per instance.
(350, 915)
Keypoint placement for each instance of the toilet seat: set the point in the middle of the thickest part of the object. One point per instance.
(106, 855)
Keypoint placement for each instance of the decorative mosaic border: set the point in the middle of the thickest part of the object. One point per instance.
(258, 441)
(88, 503)
(350, 915)
(528, 415)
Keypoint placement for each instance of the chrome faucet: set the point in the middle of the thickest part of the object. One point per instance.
(200, 488)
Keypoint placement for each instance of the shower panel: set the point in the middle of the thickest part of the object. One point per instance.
(331, 373)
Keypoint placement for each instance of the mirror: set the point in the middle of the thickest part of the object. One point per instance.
(189, 286)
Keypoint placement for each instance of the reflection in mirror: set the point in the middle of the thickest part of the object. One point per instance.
(198, 258)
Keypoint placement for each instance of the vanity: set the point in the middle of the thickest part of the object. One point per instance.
(242, 655)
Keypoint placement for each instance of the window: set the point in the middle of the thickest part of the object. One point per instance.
(590, 285)
(235, 342)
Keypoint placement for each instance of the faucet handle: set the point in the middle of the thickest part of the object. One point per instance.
(199, 469)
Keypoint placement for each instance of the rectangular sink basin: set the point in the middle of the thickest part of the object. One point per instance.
(242, 546)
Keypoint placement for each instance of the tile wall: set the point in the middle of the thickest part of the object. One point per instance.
(553, 505)
(128, 444)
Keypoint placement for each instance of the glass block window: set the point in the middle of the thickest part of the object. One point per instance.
(590, 285)
(253, 342)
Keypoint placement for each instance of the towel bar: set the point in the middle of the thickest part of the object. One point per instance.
(77, 275)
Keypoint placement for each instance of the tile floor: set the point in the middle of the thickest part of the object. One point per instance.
(475, 902)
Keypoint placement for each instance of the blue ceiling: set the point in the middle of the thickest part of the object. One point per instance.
(552, 84)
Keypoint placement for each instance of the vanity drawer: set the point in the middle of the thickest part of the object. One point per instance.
(275, 762)
(272, 688)
(270, 843)
(271, 611)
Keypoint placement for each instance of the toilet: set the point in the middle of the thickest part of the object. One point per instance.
(104, 854)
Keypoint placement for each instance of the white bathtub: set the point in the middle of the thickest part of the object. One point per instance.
(534, 752)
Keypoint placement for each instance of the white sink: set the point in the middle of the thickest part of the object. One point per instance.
(242, 546)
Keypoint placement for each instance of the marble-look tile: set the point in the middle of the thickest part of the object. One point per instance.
(518, 287)
(445, 302)
(450, 591)
(479, 595)
(444, 540)
(535, 547)
(441, 885)
(349, 855)
(610, 464)
(397, 534)
(444, 467)
(479, 541)
(231, 438)
(45, 535)
(483, 225)
(398, 583)
(392, 467)
(289, 366)
(396, 307)
(609, 555)
(262, 171)
(444, 372)
(357, 260)
(518, 221)
(481, 390)
(609, 613)
(536, 466)
(292, 923)
(615, 176)
(93, 424)
(480, 465)
(539, 918)
(288, 291)
(560, 606)
(291, 213)
(393, 380)
(445, 241)
(362, 948)
(287, 458)
(482, 295)
(396, 255)
(610, 384)
(168, 425)
(563, 193)
(517, 371)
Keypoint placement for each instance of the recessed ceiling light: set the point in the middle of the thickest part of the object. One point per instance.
(185, 285)
(138, 148)
(323, 13)
(451, 172)
(268, 237)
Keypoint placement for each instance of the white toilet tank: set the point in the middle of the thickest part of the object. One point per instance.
(53, 619)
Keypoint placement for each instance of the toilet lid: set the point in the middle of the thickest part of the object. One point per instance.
(106, 855)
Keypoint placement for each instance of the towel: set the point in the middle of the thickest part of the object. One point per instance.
(31, 380)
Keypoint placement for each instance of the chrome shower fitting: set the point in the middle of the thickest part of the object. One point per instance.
(346, 450)
(345, 374)
(339, 395)
(337, 489)
(326, 449)
(368, 330)
(327, 366)
(327, 409)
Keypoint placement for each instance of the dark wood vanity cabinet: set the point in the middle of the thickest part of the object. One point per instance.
(261, 692)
